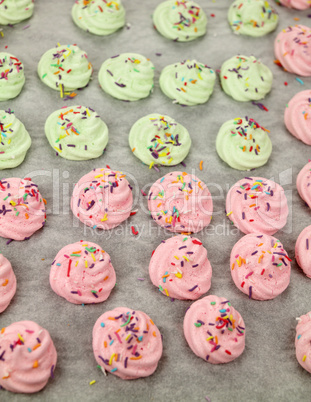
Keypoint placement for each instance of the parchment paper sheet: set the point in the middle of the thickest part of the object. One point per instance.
(267, 370)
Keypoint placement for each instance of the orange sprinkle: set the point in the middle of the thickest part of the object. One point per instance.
(36, 346)
(199, 184)
(5, 282)
(154, 334)
(105, 344)
(133, 149)
(201, 165)
(36, 364)
(232, 266)
(244, 148)
(2, 330)
(253, 205)
(111, 318)
(216, 340)
(136, 358)
(26, 216)
(106, 278)
(151, 321)
(44, 200)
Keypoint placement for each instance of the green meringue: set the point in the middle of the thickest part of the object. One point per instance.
(12, 76)
(15, 140)
(128, 76)
(15, 11)
(77, 133)
(243, 144)
(252, 17)
(181, 20)
(160, 140)
(245, 78)
(98, 17)
(188, 83)
(65, 68)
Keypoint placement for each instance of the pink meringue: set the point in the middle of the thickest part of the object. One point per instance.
(179, 267)
(297, 4)
(102, 199)
(303, 251)
(260, 267)
(180, 202)
(7, 283)
(22, 209)
(82, 273)
(256, 204)
(214, 330)
(27, 357)
(303, 341)
(303, 183)
(292, 48)
(127, 343)
(297, 116)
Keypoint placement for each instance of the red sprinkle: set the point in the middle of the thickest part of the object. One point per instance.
(135, 233)
(133, 213)
(263, 271)
(228, 352)
(196, 242)
(285, 83)
(69, 265)
(242, 284)
(107, 166)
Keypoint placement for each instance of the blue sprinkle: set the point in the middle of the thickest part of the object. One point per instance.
(114, 369)
(102, 324)
(300, 81)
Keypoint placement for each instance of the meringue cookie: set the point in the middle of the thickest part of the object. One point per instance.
(292, 48)
(15, 11)
(188, 83)
(260, 267)
(159, 139)
(252, 17)
(179, 267)
(297, 116)
(28, 357)
(7, 284)
(214, 330)
(127, 343)
(102, 199)
(22, 209)
(65, 68)
(256, 204)
(302, 251)
(303, 341)
(98, 17)
(297, 4)
(245, 78)
(77, 133)
(243, 144)
(12, 78)
(128, 76)
(303, 183)
(180, 21)
(82, 273)
(14, 140)
(180, 202)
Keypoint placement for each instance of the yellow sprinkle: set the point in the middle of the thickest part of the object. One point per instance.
(151, 164)
(166, 292)
(186, 258)
(209, 338)
(85, 263)
(99, 175)
(104, 218)
(179, 275)
(93, 256)
(229, 213)
(304, 358)
(128, 337)
(111, 358)
(92, 382)
(20, 337)
(175, 256)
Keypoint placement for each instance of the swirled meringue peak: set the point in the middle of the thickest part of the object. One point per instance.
(179, 267)
(245, 78)
(180, 202)
(303, 251)
(12, 78)
(303, 341)
(128, 76)
(243, 144)
(127, 343)
(22, 208)
(7, 283)
(82, 273)
(260, 267)
(303, 183)
(14, 140)
(15, 11)
(180, 21)
(297, 116)
(188, 83)
(77, 133)
(292, 48)
(98, 17)
(65, 68)
(255, 204)
(28, 357)
(159, 139)
(297, 4)
(102, 199)
(214, 330)
(252, 17)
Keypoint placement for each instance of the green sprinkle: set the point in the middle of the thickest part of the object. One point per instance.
(197, 324)
(44, 75)
(17, 213)
(213, 303)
